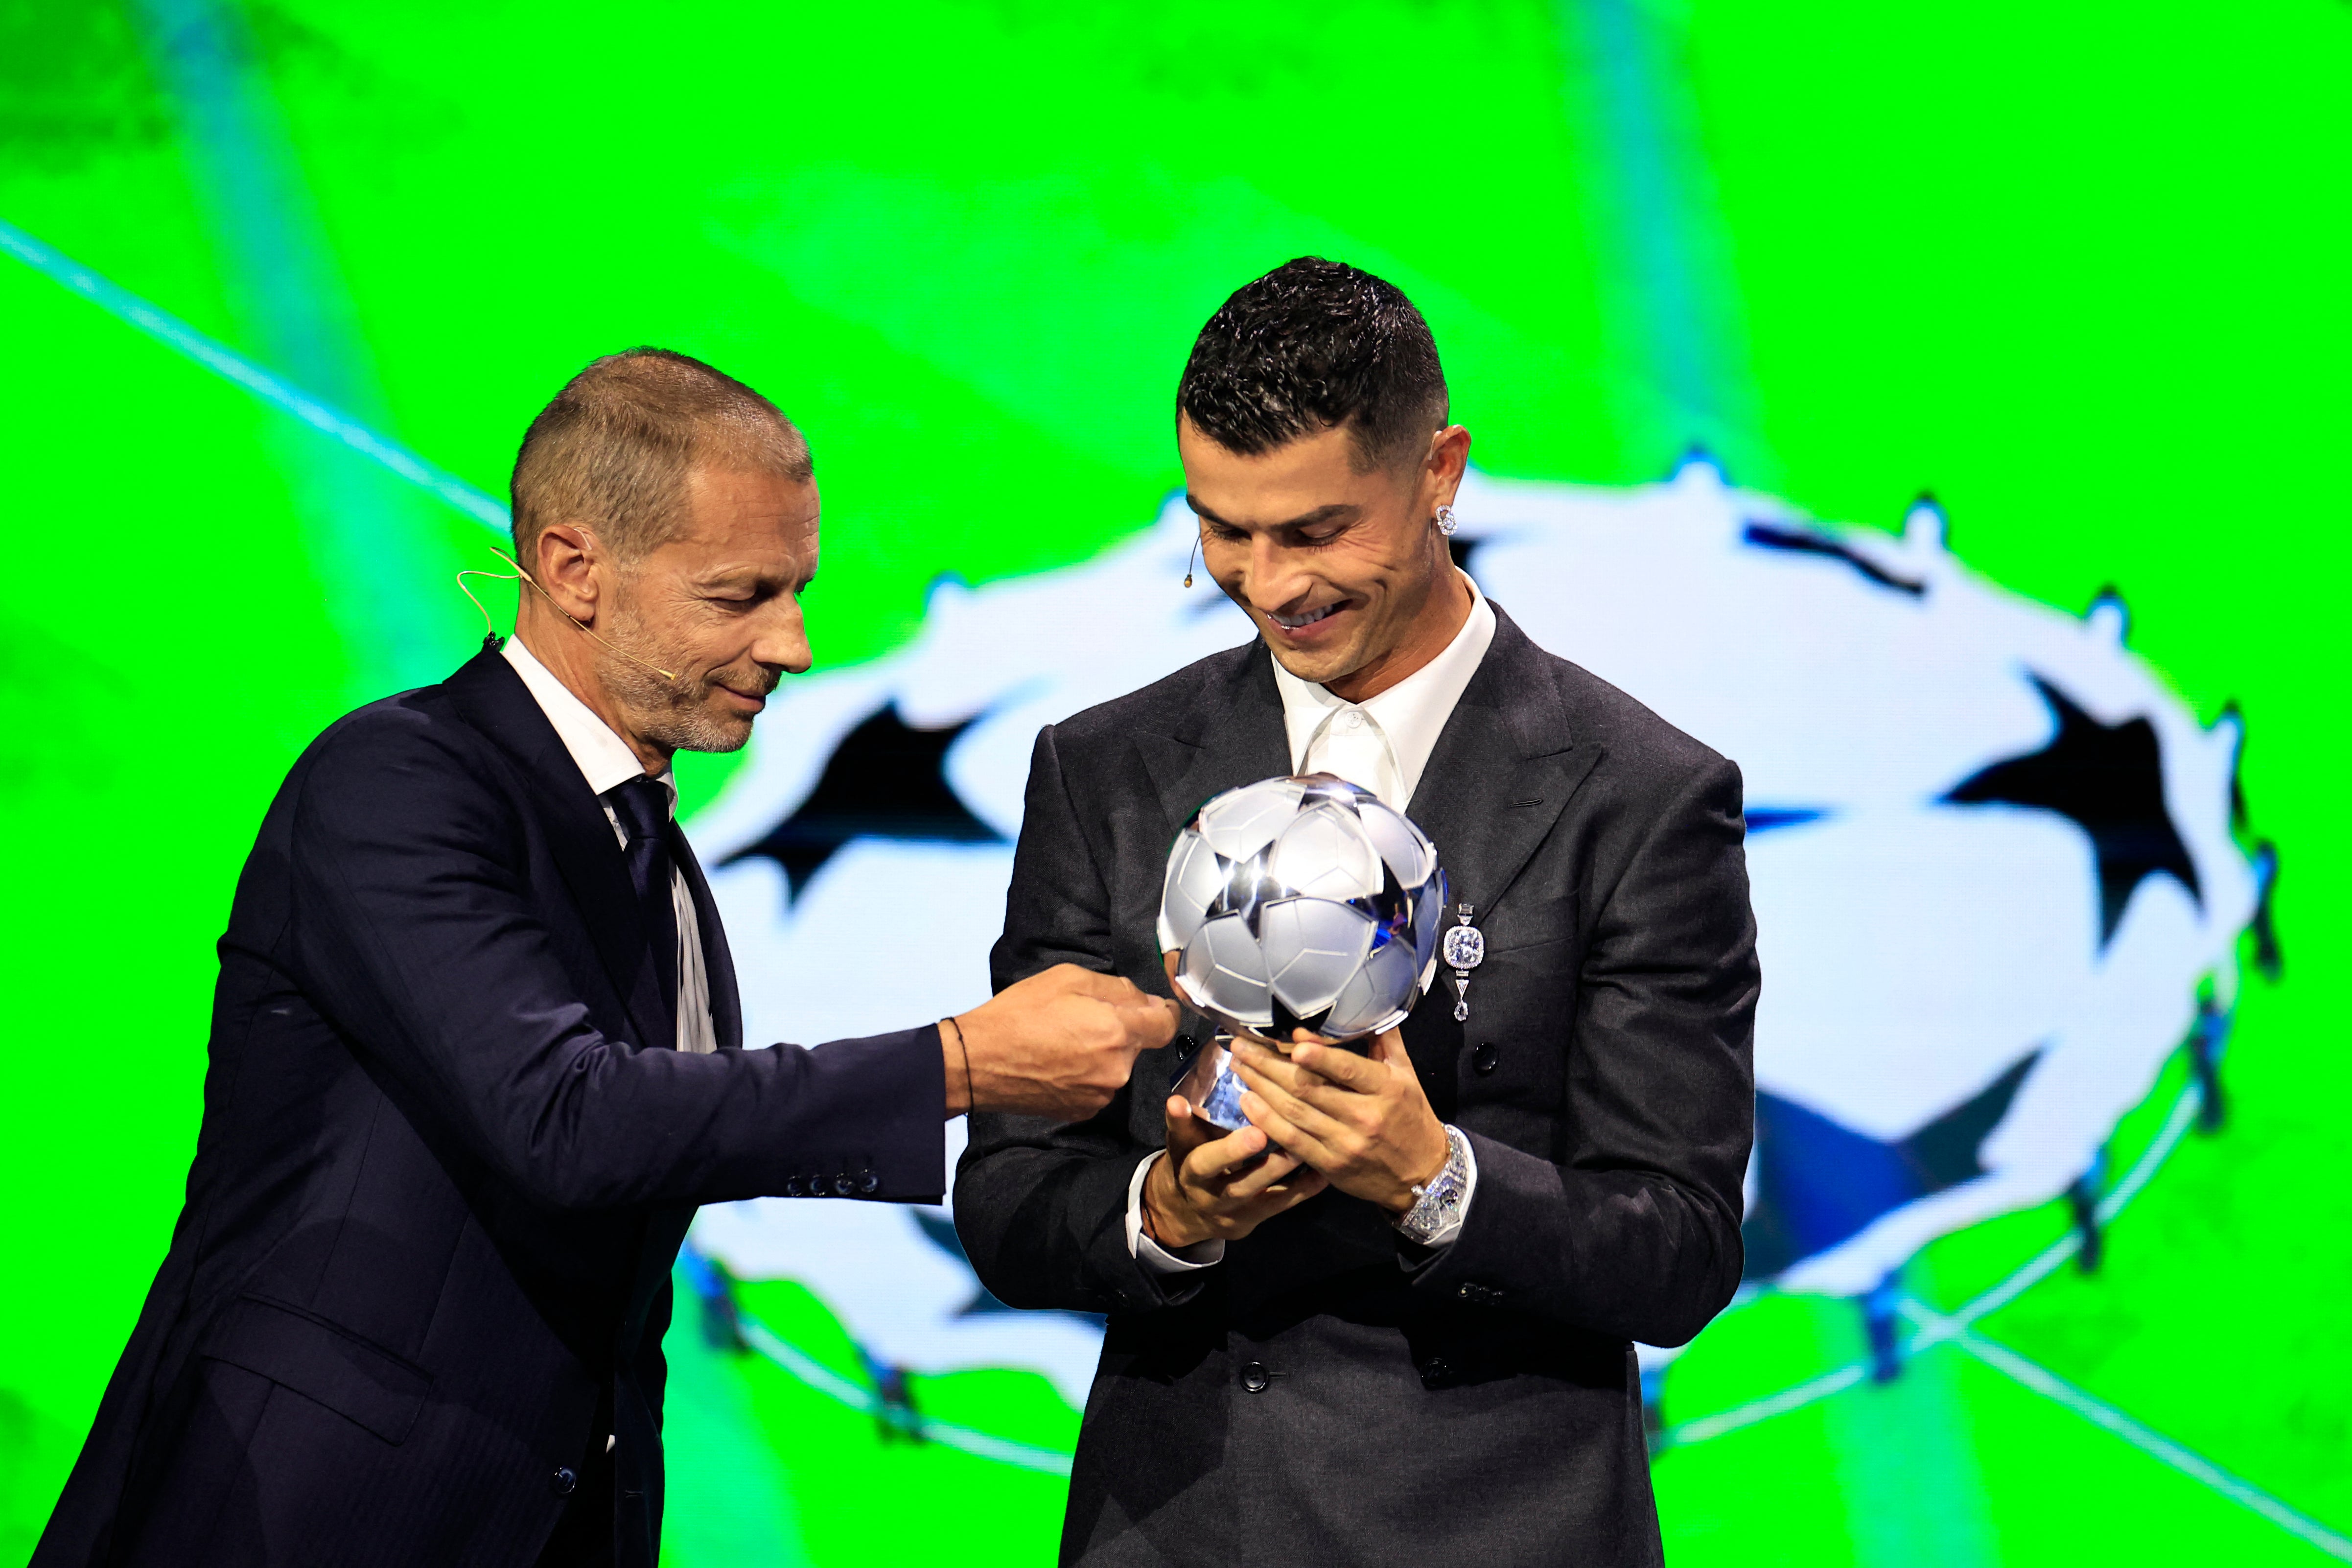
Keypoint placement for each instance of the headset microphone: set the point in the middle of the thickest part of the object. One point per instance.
(491, 639)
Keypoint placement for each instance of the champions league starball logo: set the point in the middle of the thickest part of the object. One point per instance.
(1301, 903)
(1296, 903)
(1995, 876)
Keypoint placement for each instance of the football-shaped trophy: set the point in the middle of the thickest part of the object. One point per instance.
(1297, 903)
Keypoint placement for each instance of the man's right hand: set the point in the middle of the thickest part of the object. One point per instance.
(1058, 1044)
(1212, 1188)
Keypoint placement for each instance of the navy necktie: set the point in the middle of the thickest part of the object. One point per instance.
(642, 805)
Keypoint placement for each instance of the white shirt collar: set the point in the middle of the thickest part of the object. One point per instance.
(1412, 713)
(602, 758)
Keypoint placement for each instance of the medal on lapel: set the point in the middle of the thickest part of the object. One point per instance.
(1464, 948)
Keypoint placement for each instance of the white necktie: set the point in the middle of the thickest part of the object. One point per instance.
(1351, 743)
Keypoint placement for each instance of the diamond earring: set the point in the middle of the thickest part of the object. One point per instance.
(1446, 522)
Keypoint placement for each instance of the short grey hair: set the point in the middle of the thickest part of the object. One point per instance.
(613, 451)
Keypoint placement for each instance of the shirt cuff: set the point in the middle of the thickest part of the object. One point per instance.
(1161, 1259)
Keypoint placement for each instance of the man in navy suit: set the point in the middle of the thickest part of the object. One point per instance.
(476, 1054)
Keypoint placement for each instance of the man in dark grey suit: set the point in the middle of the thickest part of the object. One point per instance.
(1392, 1321)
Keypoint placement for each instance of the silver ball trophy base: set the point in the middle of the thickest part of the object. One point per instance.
(1212, 1087)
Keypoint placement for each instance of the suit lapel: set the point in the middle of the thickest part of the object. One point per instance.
(1504, 769)
(493, 697)
(1505, 766)
(1233, 736)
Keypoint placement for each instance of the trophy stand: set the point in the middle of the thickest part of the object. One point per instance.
(1212, 1087)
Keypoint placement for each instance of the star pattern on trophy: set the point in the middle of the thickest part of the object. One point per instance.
(1301, 903)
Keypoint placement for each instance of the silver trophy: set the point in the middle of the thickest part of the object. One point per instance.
(1297, 903)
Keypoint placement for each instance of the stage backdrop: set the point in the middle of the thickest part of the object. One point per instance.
(1939, 409)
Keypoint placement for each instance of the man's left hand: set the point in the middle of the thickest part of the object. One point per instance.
(1362, 1120)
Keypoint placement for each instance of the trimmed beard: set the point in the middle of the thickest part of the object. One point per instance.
(671, 713)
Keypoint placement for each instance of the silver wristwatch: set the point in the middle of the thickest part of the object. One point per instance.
(1439, 1204)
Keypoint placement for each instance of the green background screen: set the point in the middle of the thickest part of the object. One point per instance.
(2075, 272)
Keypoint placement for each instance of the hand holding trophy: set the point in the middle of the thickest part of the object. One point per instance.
(1292, 907)
(1297, 903)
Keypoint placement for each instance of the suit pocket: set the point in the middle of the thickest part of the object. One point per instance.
(361, 1382)
(1536, 923)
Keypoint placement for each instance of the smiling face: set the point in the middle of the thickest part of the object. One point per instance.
(683, 643)
(718, 605)
(1342, 567)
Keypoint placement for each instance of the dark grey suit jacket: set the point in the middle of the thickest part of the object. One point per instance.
(1334, 1394)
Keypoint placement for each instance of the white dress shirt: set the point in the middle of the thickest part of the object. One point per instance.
(1383, 743)
(606, 761)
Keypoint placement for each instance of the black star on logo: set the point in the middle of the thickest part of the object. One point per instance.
(2108, 779)
(885, 780)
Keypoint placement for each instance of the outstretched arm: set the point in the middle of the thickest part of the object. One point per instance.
(415, 934)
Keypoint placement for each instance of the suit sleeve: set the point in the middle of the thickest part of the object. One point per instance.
(1041, 1207)
(415, 931)
(1635, 1232)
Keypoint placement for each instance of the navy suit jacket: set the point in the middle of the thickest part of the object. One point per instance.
(446, 1160)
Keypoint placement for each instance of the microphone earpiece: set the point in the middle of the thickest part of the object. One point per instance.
(493, 641)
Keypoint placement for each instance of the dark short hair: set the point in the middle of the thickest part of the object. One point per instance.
(1311, 346)
(614, 447)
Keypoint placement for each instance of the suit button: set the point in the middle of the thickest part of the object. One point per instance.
(564, 1481)
(1469, 1292)
(844, 1184)
(1435, 1374)
(870, 1185)
(792, 1186)
(1254, 1377)
(1483, 1059)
